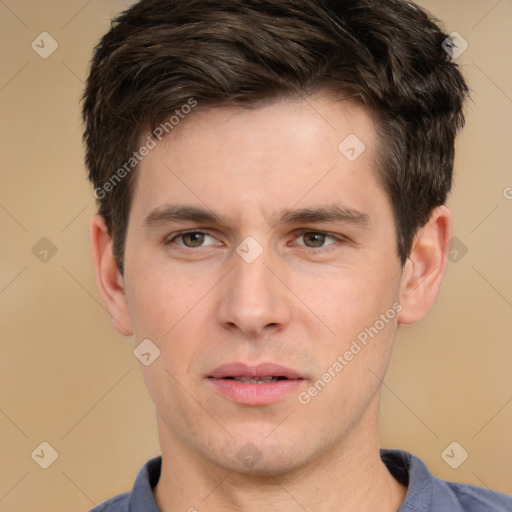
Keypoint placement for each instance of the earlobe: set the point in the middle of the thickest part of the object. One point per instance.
(423, 272)
(108, 277)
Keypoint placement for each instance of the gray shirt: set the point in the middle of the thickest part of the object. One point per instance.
(425, 493)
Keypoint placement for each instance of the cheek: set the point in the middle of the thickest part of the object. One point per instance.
(350, 299)
(160, 297)
(174, 310)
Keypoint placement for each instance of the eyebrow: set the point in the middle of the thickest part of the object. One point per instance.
(177, 213)
(186, 213)
(330, 213)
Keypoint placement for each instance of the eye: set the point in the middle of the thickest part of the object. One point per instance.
(192, 239)
(315, 239)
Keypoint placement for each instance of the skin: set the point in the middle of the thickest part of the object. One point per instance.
(294, 305)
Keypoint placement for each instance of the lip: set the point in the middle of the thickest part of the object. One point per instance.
(260, 370)
(248, 393)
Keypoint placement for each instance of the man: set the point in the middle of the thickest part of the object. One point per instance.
(271, 178)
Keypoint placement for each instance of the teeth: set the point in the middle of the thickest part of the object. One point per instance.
(256, 380)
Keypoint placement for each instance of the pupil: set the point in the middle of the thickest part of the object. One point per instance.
(314, 239)
(193, 239)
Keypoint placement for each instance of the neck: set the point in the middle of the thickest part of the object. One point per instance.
(350, 476)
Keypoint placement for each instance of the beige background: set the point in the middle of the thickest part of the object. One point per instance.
(68, 379)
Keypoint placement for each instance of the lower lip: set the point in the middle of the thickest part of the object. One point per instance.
(256, 394)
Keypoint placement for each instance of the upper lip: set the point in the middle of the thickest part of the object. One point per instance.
(241, 370)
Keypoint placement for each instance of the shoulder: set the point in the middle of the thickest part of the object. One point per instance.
(140, 498)
(118, 503)
(426, 493)
(469, 498)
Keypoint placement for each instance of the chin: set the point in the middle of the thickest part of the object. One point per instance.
(261, 455)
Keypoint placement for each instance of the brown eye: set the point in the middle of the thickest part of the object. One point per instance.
(192, 239)
(316, 239)
(313, 239)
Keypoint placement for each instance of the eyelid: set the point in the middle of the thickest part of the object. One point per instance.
(301, 231)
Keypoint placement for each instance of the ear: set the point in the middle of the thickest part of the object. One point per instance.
(424, 269)
(108, 277)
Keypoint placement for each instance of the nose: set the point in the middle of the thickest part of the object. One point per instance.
(254, 300)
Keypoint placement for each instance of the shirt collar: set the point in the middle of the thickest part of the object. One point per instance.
(406, 468)
(141, 498)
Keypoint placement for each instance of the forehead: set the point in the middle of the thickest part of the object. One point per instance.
(240, 161)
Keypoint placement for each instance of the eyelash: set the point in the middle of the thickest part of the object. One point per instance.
(338, 239)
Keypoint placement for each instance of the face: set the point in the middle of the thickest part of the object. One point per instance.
(261, 261)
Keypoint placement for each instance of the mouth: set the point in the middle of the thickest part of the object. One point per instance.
(257, 380)
(263, 372)
(263, 384)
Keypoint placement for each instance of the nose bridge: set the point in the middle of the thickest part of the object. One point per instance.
(254, 298)
(251, 283)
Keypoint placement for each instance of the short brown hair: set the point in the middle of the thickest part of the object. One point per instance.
(390, 54)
